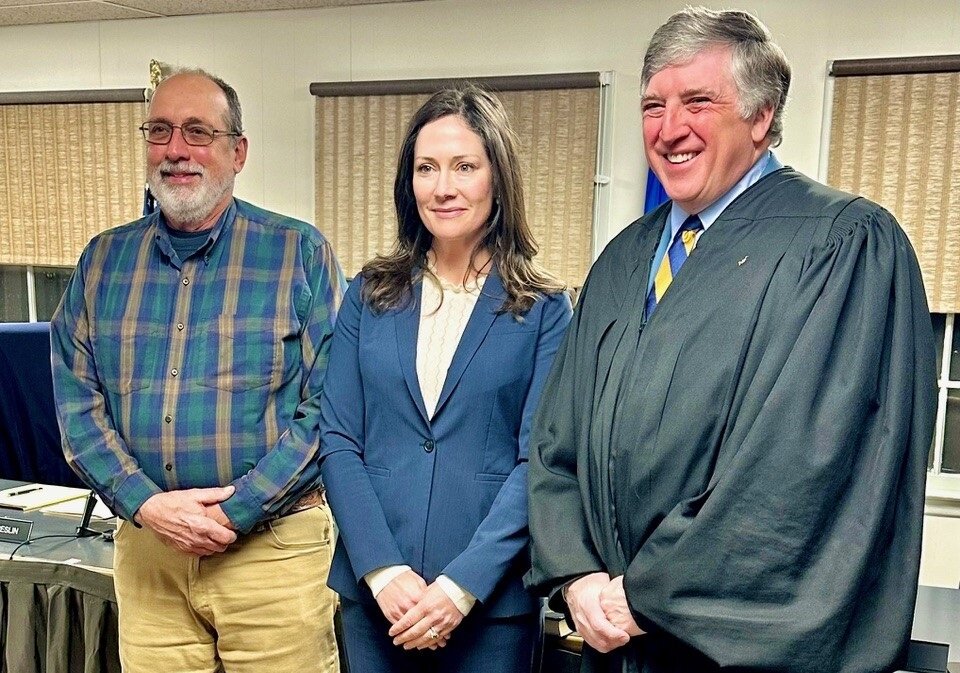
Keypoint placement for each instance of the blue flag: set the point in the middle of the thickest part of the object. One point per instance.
(655, 193)
(149, 202)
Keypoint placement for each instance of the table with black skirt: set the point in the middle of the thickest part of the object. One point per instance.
(59, 609)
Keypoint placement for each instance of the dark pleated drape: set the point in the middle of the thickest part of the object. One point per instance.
(57, 619)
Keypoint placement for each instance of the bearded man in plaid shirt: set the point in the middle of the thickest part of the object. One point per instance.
(189, 352)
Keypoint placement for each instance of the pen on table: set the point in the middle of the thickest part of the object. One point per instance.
(24, 491)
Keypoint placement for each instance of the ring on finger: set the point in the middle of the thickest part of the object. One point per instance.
(432, 632)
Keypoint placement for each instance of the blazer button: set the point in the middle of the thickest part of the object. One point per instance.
(428, 445)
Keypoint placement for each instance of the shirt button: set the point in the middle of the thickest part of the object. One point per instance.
(168, 418)
(174, 372)
(179, 325)
(429, 445)
(185, 281)
(169, 466)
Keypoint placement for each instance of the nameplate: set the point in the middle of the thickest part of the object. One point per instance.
(14, 530)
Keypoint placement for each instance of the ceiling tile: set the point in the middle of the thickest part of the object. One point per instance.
(18, 12)
(27, 3)
(62, 12)
(184, 7)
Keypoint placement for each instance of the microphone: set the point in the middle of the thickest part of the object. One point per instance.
(84, 529)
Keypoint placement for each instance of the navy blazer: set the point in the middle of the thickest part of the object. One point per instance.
(447, 495)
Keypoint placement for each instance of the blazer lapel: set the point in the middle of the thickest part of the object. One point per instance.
(484, 313)
(407, 323)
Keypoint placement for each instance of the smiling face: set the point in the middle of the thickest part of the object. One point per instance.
(193, 185)
(695, 139)
(452, 183)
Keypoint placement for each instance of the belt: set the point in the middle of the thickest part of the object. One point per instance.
(312, 499)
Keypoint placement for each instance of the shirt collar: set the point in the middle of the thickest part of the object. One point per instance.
(163, 236)
(767, 163)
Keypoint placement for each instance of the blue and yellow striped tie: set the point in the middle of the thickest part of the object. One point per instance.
(680, 249)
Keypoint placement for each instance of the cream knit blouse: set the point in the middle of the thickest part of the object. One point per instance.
(441, 326)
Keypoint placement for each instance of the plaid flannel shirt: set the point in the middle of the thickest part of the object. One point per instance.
(173, 374)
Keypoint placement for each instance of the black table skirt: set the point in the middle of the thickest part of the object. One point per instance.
(57, 619)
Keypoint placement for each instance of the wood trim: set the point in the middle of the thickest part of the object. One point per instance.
(565, 80)
(907, 65)
(73, 96)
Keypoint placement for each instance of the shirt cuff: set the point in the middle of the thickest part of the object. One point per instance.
(378, 579)
(135, 490)
(462, 598)
(557, 601)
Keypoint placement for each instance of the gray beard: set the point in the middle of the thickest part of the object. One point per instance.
(184, 205)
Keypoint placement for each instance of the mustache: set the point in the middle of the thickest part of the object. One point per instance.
(180, 167)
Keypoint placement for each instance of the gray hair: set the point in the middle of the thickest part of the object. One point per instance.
(234, 117)
(759, 67)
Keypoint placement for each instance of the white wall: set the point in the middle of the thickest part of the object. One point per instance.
(272, 57)
(940, 558)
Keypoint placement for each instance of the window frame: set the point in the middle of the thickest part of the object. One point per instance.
(30, 279)
(63, 97)
(943, 489)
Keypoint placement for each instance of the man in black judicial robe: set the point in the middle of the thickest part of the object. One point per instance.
(734, 479)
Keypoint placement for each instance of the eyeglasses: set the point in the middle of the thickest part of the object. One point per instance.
(196, 135)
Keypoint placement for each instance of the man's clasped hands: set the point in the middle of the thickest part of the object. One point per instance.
(600, 612)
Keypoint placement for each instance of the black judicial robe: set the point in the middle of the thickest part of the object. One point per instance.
(753, 458)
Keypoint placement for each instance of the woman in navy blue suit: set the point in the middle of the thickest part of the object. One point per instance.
(440, 352)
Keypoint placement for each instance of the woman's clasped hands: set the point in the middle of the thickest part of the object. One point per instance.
(423, 617)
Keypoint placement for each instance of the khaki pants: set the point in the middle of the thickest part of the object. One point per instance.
(262, 606)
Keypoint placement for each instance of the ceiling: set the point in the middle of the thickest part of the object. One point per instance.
(22, 12)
